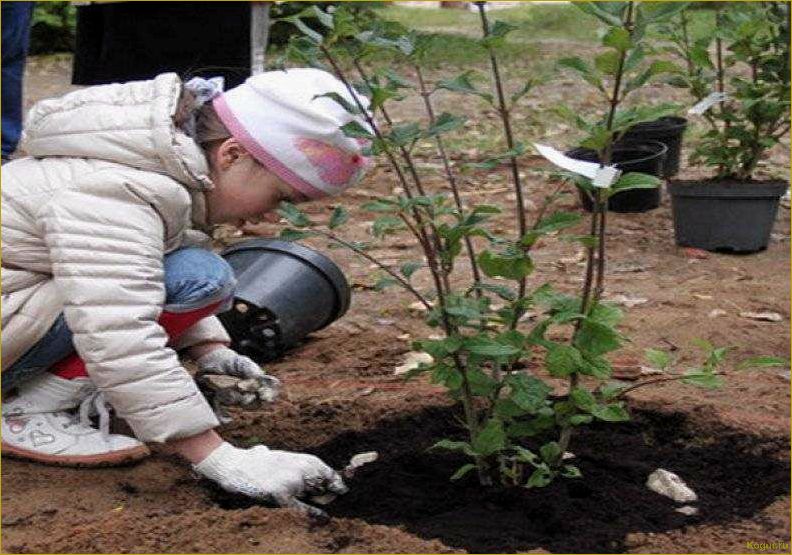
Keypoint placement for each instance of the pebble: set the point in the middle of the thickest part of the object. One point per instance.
(412, 360)
(687, 510)
(717, 312)
(670, 485)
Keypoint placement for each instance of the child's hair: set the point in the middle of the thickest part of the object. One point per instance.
(208, 126)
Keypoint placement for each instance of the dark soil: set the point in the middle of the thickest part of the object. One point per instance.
(410, 487)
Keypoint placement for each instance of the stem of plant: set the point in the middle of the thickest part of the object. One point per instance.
(449, 176)
(431, 255)
(431, 259)
(721, 88)
(507, 129)
(598, 223)
(655, 381)
(360, 252)
(433, 235)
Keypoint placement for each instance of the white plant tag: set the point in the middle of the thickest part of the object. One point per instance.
(601, 176)
(708, 102)
(606, 176)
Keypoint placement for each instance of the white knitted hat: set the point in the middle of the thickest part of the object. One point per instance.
(279, 119)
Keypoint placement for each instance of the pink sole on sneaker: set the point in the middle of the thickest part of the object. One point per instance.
(115, 458)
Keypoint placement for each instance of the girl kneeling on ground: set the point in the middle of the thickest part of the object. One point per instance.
(104, 281)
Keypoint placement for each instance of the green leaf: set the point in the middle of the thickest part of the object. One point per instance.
(450, 445)
(381, 205)
(480, 383)
(385, 225)
(662, 11)
(613, 412)
(356, 130)
(405, 135)
(580, 419)
(634, 180)
(445, 123)
(571, 471)
(350, 107)
(705, 380)
(525, 89)
(528, 392)
(558, 221)
(596, 338)
(608, 62)
(513, 267)
(550, 452)
(447, 376)
(594, 8)
(657, 358)
(563, 360)
(607, 314)
(762, 362)
(612, 390)
(339, 217)
(324, 18)
(618, 38)
(587, 73)
(464, 469)
(439, 348)
(309, 33)
(583, 399)
(484, 346)
(597, 366)
(462, 84)
(490, 439)
(699, 55)
(496, 35)
(409, 268)
(289, 234)
(293, 214)
(384, 282)
(541, 477)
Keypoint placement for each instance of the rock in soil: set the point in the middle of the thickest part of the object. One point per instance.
(669, 484)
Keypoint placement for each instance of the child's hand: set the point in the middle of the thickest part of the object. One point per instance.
(252, 386)
(281, 477)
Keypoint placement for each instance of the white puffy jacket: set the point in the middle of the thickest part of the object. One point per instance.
(110, 186)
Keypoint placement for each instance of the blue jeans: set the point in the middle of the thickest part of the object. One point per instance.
(16, 38)
(194, 278)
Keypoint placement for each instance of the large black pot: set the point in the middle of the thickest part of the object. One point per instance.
(725, 216)
(667, 130)
(284, 292)
(646, 158)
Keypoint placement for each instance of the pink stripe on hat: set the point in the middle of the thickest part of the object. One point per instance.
(260, 153)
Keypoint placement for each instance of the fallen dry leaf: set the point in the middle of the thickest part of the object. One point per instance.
(763, 316)
(696, 254)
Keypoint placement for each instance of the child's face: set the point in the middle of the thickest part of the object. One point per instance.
(244, 189)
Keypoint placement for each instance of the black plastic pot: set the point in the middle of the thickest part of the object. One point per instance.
(284, 292)
(667, 130)
(646, 157)
(725, 216)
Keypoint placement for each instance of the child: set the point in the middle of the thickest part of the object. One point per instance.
(104, 280)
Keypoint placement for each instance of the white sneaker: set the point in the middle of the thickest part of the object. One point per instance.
(40, 424)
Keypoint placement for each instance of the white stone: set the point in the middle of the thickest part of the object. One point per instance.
(687, 510)
(670, 485)
(412, 361)
(717, 313)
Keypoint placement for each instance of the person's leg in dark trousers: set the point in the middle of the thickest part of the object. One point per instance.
(16, 38)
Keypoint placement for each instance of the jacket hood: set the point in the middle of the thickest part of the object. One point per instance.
(129, 123)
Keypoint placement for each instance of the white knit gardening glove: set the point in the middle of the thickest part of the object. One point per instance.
(280, 477)
(254, 384)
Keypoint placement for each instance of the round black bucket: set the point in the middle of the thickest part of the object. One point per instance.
(646, 158)
(725, 216)
(284, 292)
(667, 130)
